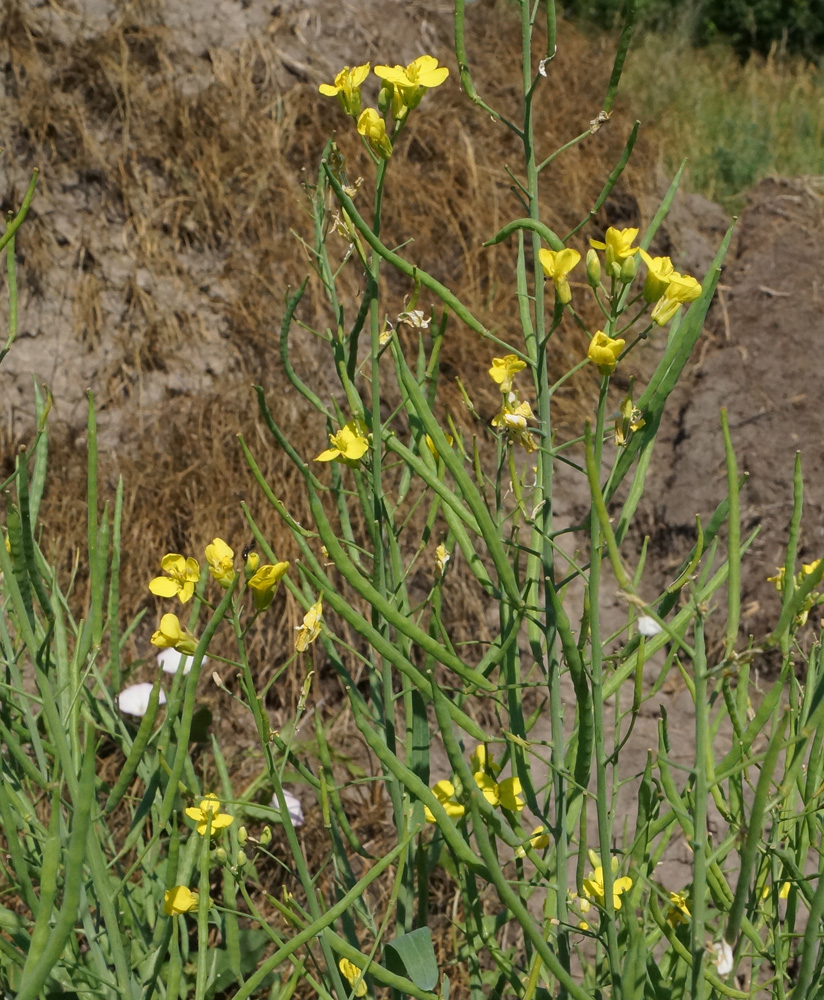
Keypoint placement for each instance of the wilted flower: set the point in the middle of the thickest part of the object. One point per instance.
(182, 578)
(513, 419)
(629, 420)
(310, 629)
(414, 318)
(179, 900)
(504, 370)
(442, 557)
(209, 811)
(445, 793)
(134, 700)
(221, 562)
(347, 88)
(264, 582)
(557, 264)
(604, 351)
(172, 635)
(618, 245)
(373, 128)
(349, 445)
(778, 579)
(352, 973)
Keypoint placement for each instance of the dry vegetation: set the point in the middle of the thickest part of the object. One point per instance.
(163, 238)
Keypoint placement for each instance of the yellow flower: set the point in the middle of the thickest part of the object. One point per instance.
(349, 445)
(179, 900)
(538, 841)
(430, 444)
(603, 352)
(482, 760)
(513, 419)
(347, 88)
(618, 245)
(679, 912)
(681, 288)
(594, 887)
(373, 128)
(264, 582)
(209, 809)
(442, 557)
(557, 264)
(659, 271)
(808, 568)
(352, 973)
(778, 579)
(411, 82)
(221, 562)
(445, 794)
(172, 635)
(504, 370)
(310, 629)
(784, 891)
(506, 794)
(182, 578)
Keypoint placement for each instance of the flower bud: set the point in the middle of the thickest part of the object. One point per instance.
(242, 835)
(628, 271)
(593, 269)
(385, 97)
(265, 836)
(250, 565)
(220, 856)
(241, 860)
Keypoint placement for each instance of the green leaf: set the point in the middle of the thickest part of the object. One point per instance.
(412, 955)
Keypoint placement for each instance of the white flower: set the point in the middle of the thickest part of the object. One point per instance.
(134, 700)
(723, 957)
(171, 661)
(648, 626)
(293, 806)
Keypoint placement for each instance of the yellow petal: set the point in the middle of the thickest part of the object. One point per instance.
(164, 586)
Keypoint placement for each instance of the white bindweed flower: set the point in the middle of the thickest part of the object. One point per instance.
(171, 661)
(293, 805)
(134, 700)
(648, 626)
(722, 953)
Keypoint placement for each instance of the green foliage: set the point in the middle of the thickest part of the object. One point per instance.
(749, 26)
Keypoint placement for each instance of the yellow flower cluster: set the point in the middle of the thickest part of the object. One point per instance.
(402, 89)
(182, 575)
(506, 793)
(664, 288)
(813, 598)
(514, 412)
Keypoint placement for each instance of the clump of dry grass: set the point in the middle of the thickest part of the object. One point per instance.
(198, 171)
